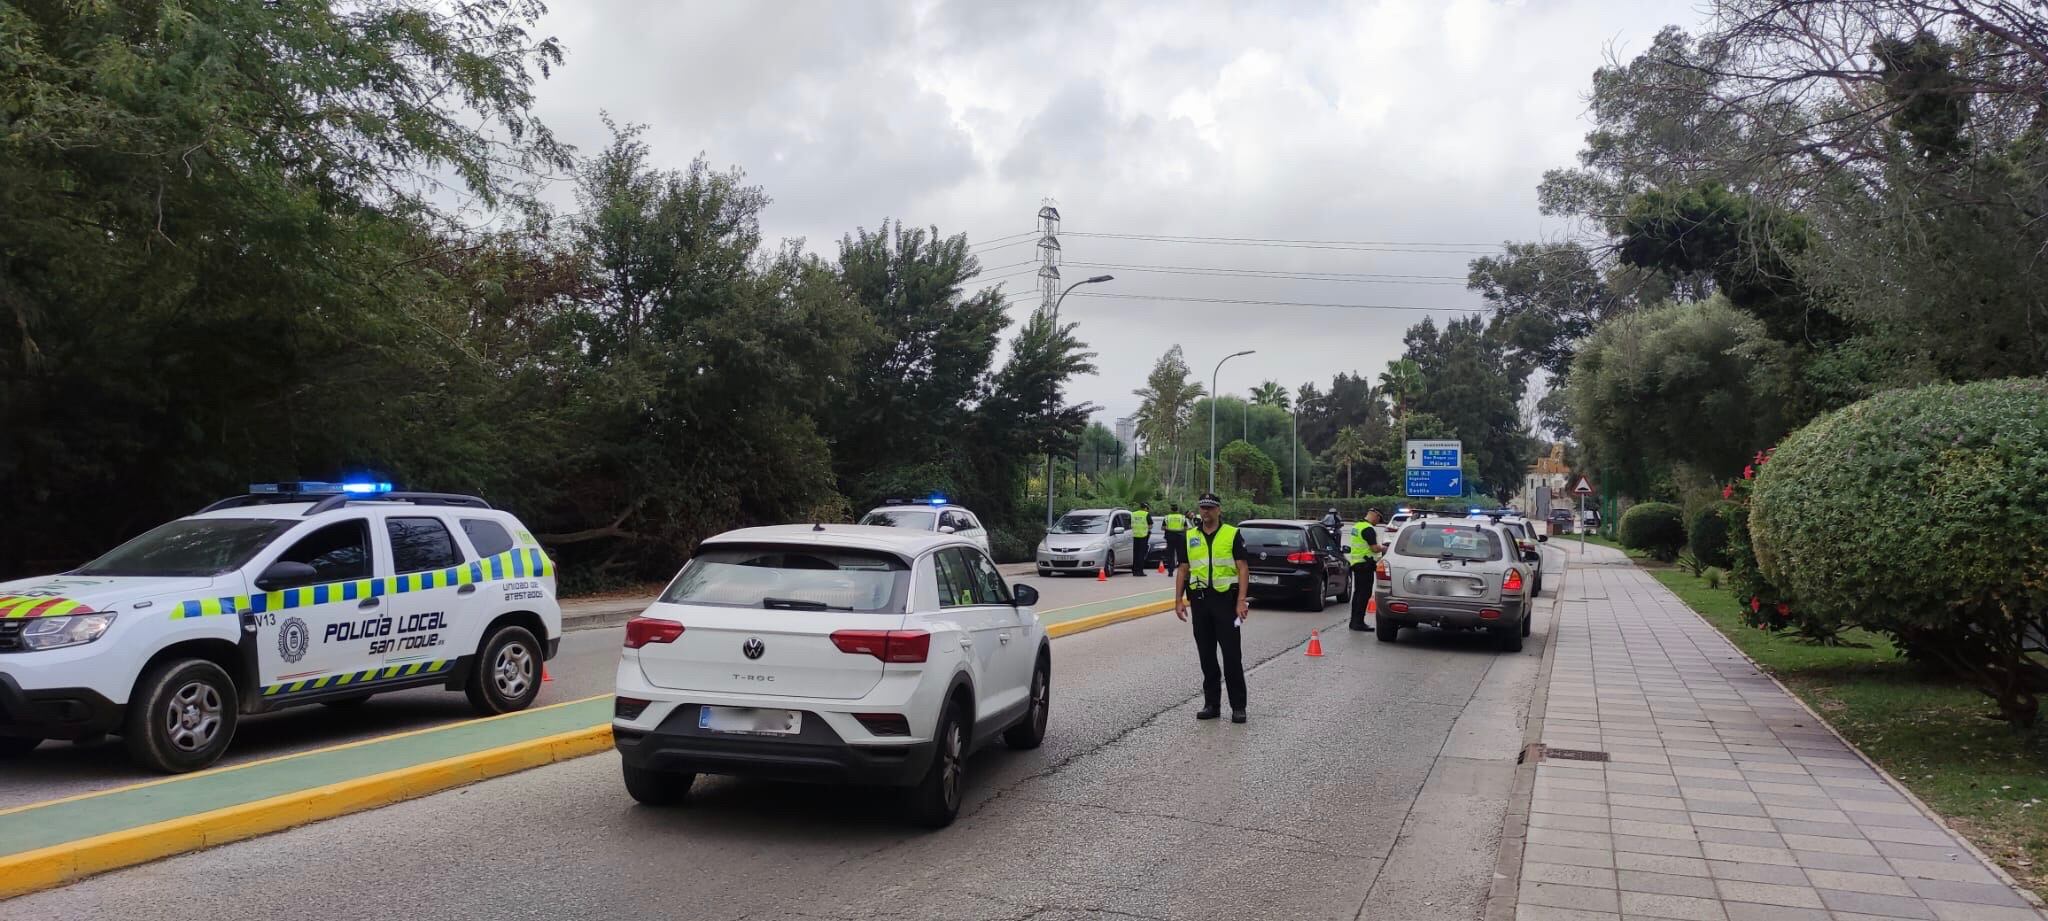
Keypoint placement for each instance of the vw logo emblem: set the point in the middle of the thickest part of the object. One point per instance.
(753, 648)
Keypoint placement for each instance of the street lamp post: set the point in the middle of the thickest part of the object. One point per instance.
(1294, 466)
(1212, 415)
(1093, 279)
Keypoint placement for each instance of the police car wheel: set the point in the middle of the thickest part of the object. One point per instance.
(935, 801)
(13, 746)
(506, 675)
(1389, 631)
(1528, 623)
(182, 716)
(657, 788)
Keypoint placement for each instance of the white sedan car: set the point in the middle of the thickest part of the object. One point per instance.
(937, 515)
(831, 653)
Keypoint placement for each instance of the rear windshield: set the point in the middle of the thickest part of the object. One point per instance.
(916, 519)
(189, 547)
(1449, 542)
(1256, 537)
(792, 578)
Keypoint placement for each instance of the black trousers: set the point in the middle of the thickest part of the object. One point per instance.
(1215, 618)
(1176, 544)
(1361, 591)
(1139, 546)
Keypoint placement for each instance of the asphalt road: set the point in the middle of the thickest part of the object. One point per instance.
(1370, 783)
(583, 667)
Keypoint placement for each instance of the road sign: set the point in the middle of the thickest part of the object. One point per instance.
(1431, 454)
(1436, 482)
(1583, 487)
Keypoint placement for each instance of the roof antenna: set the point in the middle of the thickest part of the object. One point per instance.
(815, 526)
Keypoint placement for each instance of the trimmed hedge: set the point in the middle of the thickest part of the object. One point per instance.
(1967, 584)
(1707, 534)
(1656, 528)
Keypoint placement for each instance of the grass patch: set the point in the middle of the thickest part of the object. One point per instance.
(1594, 538)
(1990, 781)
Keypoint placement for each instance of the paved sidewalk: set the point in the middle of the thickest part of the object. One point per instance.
(1723, 799)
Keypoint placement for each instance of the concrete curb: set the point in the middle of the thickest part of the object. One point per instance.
(59, 864)
(1506, 894)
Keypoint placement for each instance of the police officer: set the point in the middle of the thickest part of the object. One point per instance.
(1141, 538)
(1333, 523)
(1212, 579)
(1176, 535)
(1361, 546)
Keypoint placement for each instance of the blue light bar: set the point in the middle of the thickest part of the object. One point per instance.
(936, 499)
(359, 489)
(318, 488)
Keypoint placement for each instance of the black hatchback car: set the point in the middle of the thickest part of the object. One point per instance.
(1296, 561)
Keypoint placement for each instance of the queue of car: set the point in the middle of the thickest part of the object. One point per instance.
(882, 653)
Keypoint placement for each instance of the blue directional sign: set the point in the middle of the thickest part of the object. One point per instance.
(1435, 453)
(1436, 482)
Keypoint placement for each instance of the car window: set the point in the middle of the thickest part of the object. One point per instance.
(1453, 542)
(954, 520)
(973, 523)
(791, 578)
(189, 547)
(988, 582)
(915, 519)
(1257, 538)
(339, 552)
(420, 544)
(1123, 520)
(488, 537)
(956, 581)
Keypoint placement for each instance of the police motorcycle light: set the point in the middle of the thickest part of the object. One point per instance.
(60, 632)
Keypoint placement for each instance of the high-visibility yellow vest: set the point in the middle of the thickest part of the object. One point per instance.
(1212, 560)
(1141, 523)
(1357, 545)
(1176, 522)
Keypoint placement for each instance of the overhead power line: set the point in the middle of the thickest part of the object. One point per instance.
(1000, 239)
(1267, 303)
(1356, 246)
(1354, 277)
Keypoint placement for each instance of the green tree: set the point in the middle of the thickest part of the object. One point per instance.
(1473, 381)
(1099, 450)
(215, 242)
(1402, 383)
(1698, 385)
(1247, 471)
(1166, 405)
(1350, 449)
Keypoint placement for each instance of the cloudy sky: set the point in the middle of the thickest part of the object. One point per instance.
(1402, 135)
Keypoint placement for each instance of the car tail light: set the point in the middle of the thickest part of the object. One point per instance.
(643, 630)
(628, 708)
(1382, 572)
(1513, 582)
(1489, 614)
(1302, 557)
(884, 724)
(1397, 607)
(886, 645)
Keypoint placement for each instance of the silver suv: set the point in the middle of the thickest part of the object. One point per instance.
(1455, 575)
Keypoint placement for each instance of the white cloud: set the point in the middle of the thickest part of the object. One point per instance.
(1402, 120)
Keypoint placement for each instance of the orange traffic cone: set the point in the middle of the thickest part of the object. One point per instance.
(1102, 575)
(1372, 604)
(1315, 644)
(1162, 567)
(544, 676)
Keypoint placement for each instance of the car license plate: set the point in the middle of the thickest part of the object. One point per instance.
(750, 720)
(1265, 580)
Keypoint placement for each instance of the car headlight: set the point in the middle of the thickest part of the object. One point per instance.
(59, 632)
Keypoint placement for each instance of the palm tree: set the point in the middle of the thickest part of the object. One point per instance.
(1401, 382)
(1270, 393)
(1349, 448)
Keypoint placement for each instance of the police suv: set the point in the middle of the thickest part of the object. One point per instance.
(297, 593)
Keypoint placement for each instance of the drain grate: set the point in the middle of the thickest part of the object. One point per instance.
(1537, 751)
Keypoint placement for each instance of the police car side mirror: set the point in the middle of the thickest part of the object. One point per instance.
(282, 575)
(1543, 538)
(1025, 595)
(947, 529)
(1119, 530)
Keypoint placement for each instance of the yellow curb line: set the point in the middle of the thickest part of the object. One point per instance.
(62, 863)
(58, 864)
(1091, 622)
